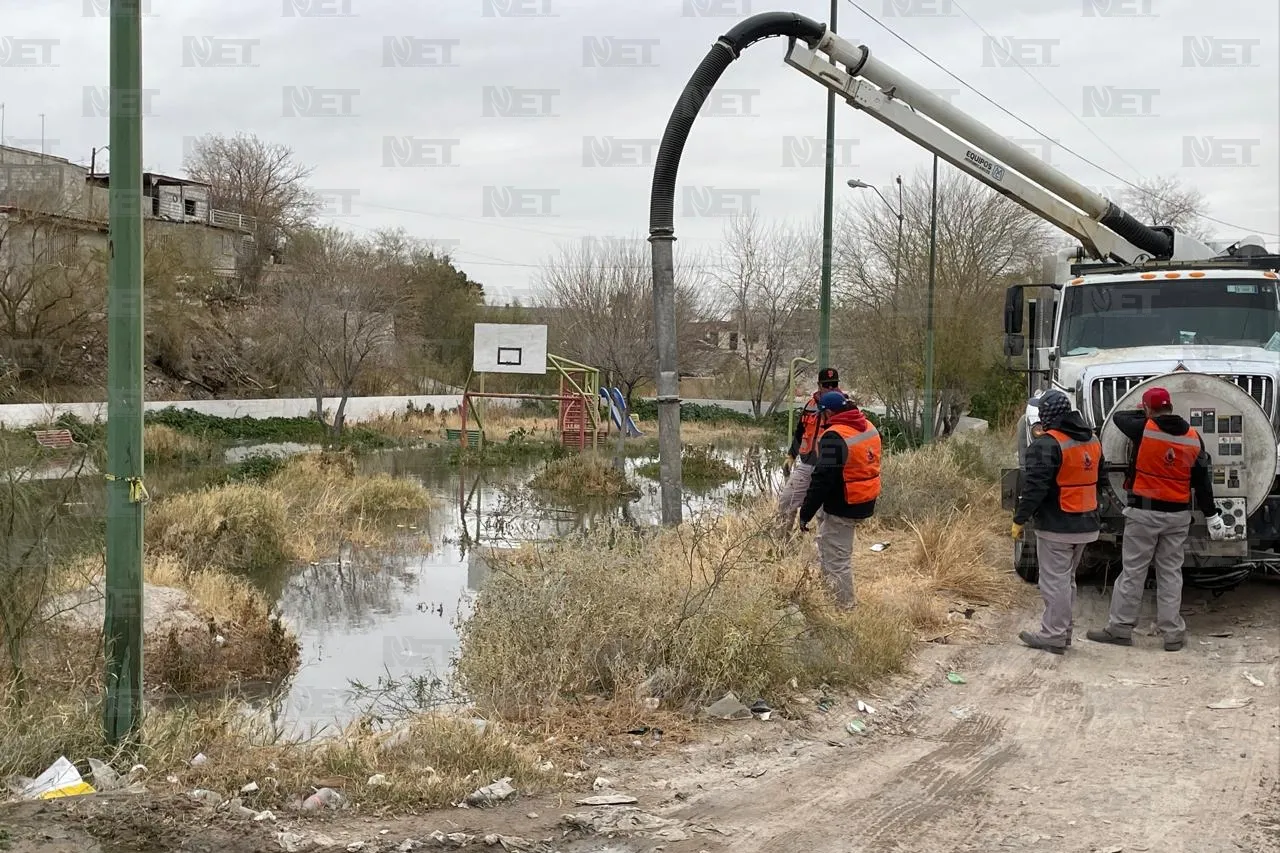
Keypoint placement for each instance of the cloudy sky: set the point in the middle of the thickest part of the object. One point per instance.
(507, 128)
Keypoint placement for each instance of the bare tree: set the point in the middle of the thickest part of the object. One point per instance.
(599, 295)
(334, 318)
(1164, 200)
(984, 243)
(52, 283)
(257, 179)
(766, 282)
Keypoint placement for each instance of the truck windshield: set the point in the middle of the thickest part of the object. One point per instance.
(1208, 312)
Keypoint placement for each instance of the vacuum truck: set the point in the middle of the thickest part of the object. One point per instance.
(1131, 307)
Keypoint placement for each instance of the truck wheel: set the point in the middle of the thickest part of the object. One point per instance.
(1024, 558)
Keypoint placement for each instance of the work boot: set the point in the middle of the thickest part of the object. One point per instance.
(1172, 645)
(1037, 642)
(1105, 636)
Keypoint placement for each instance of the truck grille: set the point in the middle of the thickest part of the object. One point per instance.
(1110, 389)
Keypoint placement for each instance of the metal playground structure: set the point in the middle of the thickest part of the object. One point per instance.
(522, 349)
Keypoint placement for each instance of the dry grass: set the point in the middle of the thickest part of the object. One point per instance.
(223, 631)
(723, 605)
(584, 475)
(303, 510)
(941, 479)
(434, 762)
(164, 444)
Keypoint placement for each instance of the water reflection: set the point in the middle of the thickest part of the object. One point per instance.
(363, 616)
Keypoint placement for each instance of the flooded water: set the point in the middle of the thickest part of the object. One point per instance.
(390, 616)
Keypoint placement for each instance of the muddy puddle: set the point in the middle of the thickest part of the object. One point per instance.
(386, 618)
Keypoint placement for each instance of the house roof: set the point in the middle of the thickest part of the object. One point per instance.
(103, 179)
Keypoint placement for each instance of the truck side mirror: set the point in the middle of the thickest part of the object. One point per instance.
(1013, 310)
(1014, 345)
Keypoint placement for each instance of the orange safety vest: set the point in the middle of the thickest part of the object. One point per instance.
(1078, 474)
(1162, 471)
(862, 464)
(809, 417)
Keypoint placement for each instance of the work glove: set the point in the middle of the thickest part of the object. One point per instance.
(1016, 531)
(1217, 527)
(786, 465)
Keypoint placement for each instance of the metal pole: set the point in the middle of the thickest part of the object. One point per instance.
(122, 630)
(664, 311)
(928, 328)
(828, 205)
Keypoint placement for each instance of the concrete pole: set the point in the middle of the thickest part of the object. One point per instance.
(122, 630)
(828, 214)
(664, 307)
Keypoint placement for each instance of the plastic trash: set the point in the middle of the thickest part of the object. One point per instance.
(1253, 679)
(61, 779)
(955, 678)
(105, 778)
(200, 760)
(960, 713)
(324, 798)
(855, 727)
(865, 708)
(881, 546)
(1230, 704)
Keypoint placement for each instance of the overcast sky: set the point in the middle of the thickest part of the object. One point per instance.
(442, 72)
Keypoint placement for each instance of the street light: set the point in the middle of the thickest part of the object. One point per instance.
(897, 260)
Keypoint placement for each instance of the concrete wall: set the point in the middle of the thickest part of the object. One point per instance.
(358, 408)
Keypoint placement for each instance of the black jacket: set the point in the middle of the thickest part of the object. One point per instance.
(1039, 498)
(826, 488)
(1133, 424)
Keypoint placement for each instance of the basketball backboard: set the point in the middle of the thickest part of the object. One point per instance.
(510, 348)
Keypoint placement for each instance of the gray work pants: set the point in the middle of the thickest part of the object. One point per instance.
(1058, 562)
(1151, 540)
(835, 555)
(793, 492)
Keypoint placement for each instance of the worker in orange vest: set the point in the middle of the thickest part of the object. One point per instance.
(798, 468)
(1059, 491)
(843, 489)
(1168, 465)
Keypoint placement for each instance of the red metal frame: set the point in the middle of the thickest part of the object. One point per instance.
(564, 399)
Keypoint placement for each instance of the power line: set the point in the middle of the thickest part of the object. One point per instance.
(1037, 130)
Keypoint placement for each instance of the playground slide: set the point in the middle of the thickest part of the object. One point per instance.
(632, 430)
(614, 414)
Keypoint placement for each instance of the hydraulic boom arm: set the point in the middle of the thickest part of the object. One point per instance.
(865, 83)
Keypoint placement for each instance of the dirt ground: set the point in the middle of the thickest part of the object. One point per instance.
(1104, 750)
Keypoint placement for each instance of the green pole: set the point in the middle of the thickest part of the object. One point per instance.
(828, 202)
(122, 631)
(928, 325)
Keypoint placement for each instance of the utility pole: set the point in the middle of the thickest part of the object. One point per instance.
(928, 323)
(828, 201)
(122, 630)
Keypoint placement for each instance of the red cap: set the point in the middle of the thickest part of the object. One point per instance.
(1156, 398)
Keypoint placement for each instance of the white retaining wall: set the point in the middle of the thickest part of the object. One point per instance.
(358, 408)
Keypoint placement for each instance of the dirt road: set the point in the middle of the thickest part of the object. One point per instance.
(1104, 749)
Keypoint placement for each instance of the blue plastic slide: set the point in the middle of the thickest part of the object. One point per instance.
(618, 401)
(614, 414)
